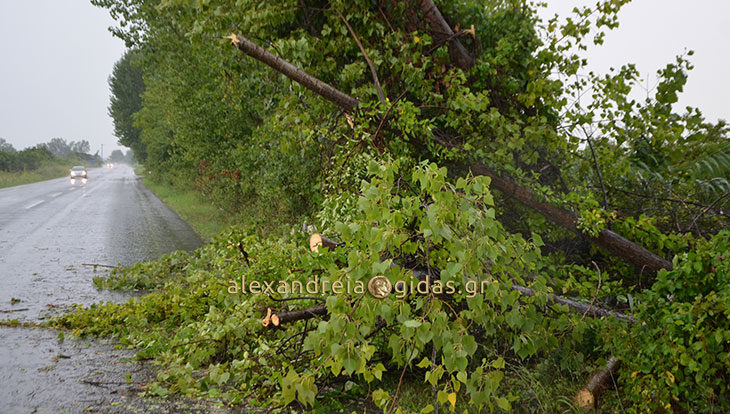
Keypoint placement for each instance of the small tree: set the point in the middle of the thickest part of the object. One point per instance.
(5, 146)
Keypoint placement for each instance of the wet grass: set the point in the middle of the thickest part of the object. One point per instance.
(46, 172)
(207, 219)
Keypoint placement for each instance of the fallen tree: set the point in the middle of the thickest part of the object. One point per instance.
(632, 253)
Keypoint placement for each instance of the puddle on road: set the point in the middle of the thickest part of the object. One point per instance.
(48, 292)
(73, 375)
(52, 375)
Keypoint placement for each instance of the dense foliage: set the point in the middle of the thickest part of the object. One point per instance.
(26, 159)
(391, 182)
(126, 86)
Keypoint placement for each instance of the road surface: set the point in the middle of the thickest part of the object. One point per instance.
(48, 232)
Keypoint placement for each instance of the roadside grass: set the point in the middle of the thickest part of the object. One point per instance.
(207, 219)
(46, 172)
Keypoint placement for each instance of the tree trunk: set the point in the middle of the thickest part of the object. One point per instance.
(442, 33)
(280, 65)
(588, 396)
(638, 256)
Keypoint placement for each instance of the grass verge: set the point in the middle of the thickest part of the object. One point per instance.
(207, 219)
(46, 172)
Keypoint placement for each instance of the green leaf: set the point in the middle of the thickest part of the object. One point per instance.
(412, 323)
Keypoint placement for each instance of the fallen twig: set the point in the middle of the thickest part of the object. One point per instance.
(104, 384)
(99, 265)
(14, 310)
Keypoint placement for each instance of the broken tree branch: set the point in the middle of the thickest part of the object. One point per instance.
(588, 396)
(316, 241)
(579, 307)
(442, 33)
(381, 95)
(341, 99)
(99, 265)
(276, 319)
(296, 315)
(630, 252)
(14, 310)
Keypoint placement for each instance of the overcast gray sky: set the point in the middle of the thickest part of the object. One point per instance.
(653, 32)
(56, 55)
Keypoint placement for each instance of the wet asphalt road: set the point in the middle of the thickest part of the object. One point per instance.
(48, 232)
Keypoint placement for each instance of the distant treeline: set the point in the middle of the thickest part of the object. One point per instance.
(55, 150)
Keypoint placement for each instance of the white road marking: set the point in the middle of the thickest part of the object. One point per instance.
(35, 204)
(56, 195)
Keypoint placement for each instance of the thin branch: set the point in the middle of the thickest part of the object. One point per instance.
(104, 384)
(381, 95)
(706, 209)
(434, 390)
(598, 289)
(297, 298)
(387, 112)
(14, 310)
(99, 265)
(598, 169)
(380, 325)
(400, 381)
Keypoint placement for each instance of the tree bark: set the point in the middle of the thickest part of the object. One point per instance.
(340, 99)
(316, 241)
(632, 253)
(580, 307)
(442, 33)
(588, 396)
(296, 315)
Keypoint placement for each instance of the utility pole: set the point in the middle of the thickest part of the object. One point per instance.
(102, 152)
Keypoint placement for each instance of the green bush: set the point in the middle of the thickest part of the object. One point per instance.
(678, 356)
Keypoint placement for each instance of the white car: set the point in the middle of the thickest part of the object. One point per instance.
(78, 172)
